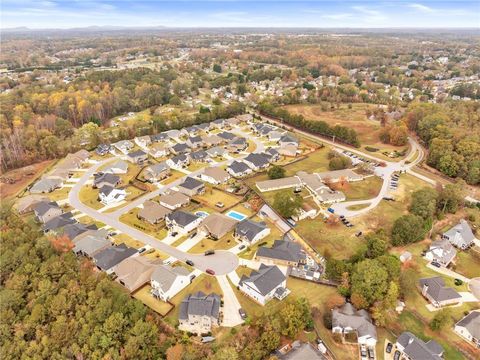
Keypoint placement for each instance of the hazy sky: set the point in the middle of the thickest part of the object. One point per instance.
(218, 13)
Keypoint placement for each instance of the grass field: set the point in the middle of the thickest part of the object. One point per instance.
(174, 175)
(89, 196)
(156, 305)
(224, 243)
(127, 240)
(360, 190)
(212, 196)
(159, 231)
(59, 194)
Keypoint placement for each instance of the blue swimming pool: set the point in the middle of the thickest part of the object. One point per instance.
(202, 214)
(236, 215)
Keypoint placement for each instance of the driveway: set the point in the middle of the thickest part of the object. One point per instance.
(231, 305)
(449, 273)
(474, 287)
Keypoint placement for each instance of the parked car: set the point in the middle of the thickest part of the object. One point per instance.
(209, 252)
(331, 210)
(458, 282)
(342, 216)
(192, 235)
(436, 264)
(321, 346)
(291, 222)
(371, 353)
(396, 356)
(210, 272)
(241, 247)
(242, 313)
(142, 250)
(220, 204)
(173, 234)
(189, 262)
(389, 348)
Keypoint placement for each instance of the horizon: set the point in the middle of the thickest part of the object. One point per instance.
(289, 14)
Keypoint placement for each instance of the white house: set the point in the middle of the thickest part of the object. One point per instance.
(109, 195)
(250, 232)
(167, 281)
(347, 319)
(182, 221)
(214, 175)
(199, 313)
(265, 284)
(179, 161)
(469, 328)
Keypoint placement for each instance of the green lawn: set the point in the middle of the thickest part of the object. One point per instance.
(156, 305)
(467, 263)
(212, 196)
(89, 196)
(59, 194)
(361, 190)
(158, 230)
(224, 243)
(174, 175)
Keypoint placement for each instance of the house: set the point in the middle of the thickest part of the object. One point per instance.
(321, 191)
(167, 281)
(217, 225)
(106, 259)
(160, 137)
(227, 136)
(173, 134)
(195, 142)
(190, 131)
(434, 290)
(191, 187)
(288, 150)
(282, 252)
(217, 124)
(158, 150)
(340, 175)
(237, 144)
(46, 185)
(232, 122)
(58, 222)
(173, 200)
(460, 235)
(288, 139)
(203, 126)
(153, 212)
(265, 284)
(413, 348)
(103, 149)
(199, 313)
(180, 148)
(346, 319)
(250, 232)
(257, 161)
(134, 272)
(118, 167)
(212, 140)
(27, 204)
(157, 172)
(90, 242)
(216, 151)
(101, 179)
(109, 195)
(124, 146)
(143, 141)
(441, 251)
(46, 210)
(277, 184)
(266, 129)
(199, 156)
(182, 221)
(238, 169)
(300, 351)
(272, 155)
(215, 175)
(275, 135)
(245, 117)
(179, 161)
(137, 157)
(305, 211)
(71, 231)
(469, 328)
(60, 173)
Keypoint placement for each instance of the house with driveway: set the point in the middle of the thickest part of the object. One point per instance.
(460, 235)
(191, 187)
(108, 258)
(237, 144)
(200, 156)
(217, 225)
(250, 232)
(134, 272)
(124, 146)
(143, 141)
(282, 252)
(28, 203)
(413, 348)
(137, 157)
(56, 224)
(159, 150)
(265, 284)
(288, 139)
(257, 161)
(216, 151)
(174, 200)
(199, 313)
(347, 319)
(46, 210)
(469, 328)
(167, 281)
(434, 290)
(441, 252)
(109, 195)
(238, 169)
(46, 185)
(157, 172)
(195, 142)
(214, 175)
(152, 212)
(101, 179)
(91, 242)
(180, 148)
(179, 161)
(182, 221)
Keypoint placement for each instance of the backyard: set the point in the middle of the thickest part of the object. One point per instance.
(156, 305)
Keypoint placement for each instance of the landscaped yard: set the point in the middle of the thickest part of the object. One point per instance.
(89, 196)
(59, 194)
(360, 190)
(127, 240)
(213, 196)
(224, 243)
(174, 175)
(157, 230)
(156, 305)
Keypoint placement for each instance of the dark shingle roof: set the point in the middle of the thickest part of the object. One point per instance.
(265, 279)
(472, 323)
(249, 228)
(417, 349)
(42, 207)
(111, 256)
(259, 160)
(238, 167)
(182, 218)
(226, 135)
(200, 304)
(59, 222)
(437, 290)
(283, 250)
(191, 183)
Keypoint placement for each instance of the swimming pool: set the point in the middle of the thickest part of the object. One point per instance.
(236, 215)
(202, 214)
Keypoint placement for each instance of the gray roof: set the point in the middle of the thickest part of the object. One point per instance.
(46, 185)
(472, 323)
(73, 230)
(442, 251)
(165, 275)
(120, 164)
(259, 160)
(287, 138)
(191, 183)
(107, 178)
(43, 207)
(463, 230)
(159, 137)
(226, 135)
(59, 222)
(417, 349)
(203, 126)
(249, 229)
(195, 139)
(347, 316)
(265, 279)
(437, 290)
(182, 218)
(180, 148)
(239, 140)
(200, 304)
(283, 250)
(301, 351)
(106, 190)
(157, 168)
(179, 158)
(238, 167)
(137, 153)
(108, 258)
(199, 155)
(215, 151)
(91, 243)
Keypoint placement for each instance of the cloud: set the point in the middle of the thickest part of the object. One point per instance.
(341, 16)
(371, 15)
(422, 8)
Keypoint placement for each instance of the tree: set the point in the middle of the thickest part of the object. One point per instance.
(339, 162)
(424, 203)
(217, 68)
(276, 172)
(377, 243)
(286, 203)
(451, 197)
(408, 229)
(441, 319)
(370, 281)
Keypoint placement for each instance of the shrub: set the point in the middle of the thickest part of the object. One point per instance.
(371, 149)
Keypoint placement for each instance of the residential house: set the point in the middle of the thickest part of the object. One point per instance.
(238, 169)
(134, 272)
(46, 185)
(289, 150)
(321, 191)
(106, 259)
(55, 224)
(174, 200)
(179, 162)
(203, 127)
(266, 129)
(413, 348)
(231, 122)
(195, 142)
(288, 139)
(305, 211)
(217, 124)
(173, 134)
(250, 232)
(101, 179)
(215, 175)
(109, 195)
(272, 155)
(90, 242)
(160, 137)
(157, 172)
(191, 187)
(460, 235)
(199, 313)
(245, 118)
(180, 148)
(167, 281)
(46, 210)
(159, 150)
(137, 157)
(71, 231)
(227, 136)
(143, 141)
(265, 284)
(217, 225)
(212, 140)
(118, 167)
(190, 131)
(277, 184)
(300, 351)
(182, 221)
(257, 161)
(469, 328)
(200, 156)
(103, 149)
(441, 252)
(217, 151)
(275, 135)
(124, 146)
(347, 319)
(282, 252)
(153, 212)
(237, 144)
(340, 175)
(435, 291)
(28, 203)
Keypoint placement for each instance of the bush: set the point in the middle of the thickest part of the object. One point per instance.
(408, 229)
(327, 320)
(340, 162)
(276, 172)
(371, 149)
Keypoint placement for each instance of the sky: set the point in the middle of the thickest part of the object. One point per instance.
(37, 14)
